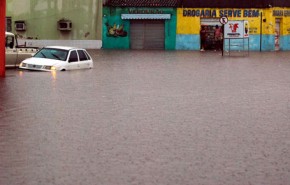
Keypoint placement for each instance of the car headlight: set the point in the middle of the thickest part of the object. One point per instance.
(47, 67)
(53, 68)
(50, 68)
(22, 64)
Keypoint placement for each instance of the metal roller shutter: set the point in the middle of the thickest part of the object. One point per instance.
(147, 34)
(137, 34)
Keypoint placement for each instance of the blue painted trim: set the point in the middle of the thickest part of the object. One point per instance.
(254, 42)
(285, 43)
(192, 42)
(268, 43)
(187, 42)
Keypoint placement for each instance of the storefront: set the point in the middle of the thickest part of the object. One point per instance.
(281, 28)
(139, 28)
(209, 25)
(268, 28)
(177, 25)
(147, 34)
(147, 31)
(191, 20)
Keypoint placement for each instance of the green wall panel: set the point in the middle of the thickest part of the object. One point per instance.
(112, 22)
(170, 32)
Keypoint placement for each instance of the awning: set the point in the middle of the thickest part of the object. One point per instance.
(145, 16)
(210, 22)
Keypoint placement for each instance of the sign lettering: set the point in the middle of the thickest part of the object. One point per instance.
(145, 11)
(280, 13)
(221, 13)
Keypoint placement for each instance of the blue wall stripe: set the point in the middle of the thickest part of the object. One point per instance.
(192, 42)
(268, 43)
(187, 42)
(285, 42)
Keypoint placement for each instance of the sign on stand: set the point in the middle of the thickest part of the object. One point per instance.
(236, 29)
(237, 34)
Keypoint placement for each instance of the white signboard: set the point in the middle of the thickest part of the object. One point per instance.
(236, 29)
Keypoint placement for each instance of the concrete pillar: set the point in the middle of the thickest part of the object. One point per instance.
(2, 37)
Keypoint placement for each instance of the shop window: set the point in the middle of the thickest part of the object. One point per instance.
(8, 24)
(9, 42)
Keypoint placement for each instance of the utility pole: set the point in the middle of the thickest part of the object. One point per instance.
(2, 37)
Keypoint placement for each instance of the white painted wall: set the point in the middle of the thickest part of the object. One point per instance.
(87, 44)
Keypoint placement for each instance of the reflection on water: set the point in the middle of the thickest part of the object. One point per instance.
(53, 74)
(20, 73)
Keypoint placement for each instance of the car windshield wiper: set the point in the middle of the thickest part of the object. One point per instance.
(43, 55)
(56, 56)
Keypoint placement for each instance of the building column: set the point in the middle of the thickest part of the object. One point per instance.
(2, 37)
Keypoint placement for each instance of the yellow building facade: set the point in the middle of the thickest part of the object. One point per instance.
(269, 28)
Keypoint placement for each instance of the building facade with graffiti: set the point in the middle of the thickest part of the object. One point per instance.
(138, 27)
(56, 22)
(177, 25)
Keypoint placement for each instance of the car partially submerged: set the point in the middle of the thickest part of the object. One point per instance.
(15, 53)
(58, 58)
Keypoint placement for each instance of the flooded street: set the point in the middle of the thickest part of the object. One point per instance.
(149, 118)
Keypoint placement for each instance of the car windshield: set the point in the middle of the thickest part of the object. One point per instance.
(52, 53)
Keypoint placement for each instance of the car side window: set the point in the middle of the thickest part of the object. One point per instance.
(82, 55)
(9, 42)
(88, 56)
(73, 56)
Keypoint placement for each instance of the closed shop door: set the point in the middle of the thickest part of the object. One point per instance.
(277, 34)
(147, 34)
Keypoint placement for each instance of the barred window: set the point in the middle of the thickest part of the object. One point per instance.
(8, 24)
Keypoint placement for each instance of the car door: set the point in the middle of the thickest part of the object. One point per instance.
(84, 61)
(10, 52)
(73, 61)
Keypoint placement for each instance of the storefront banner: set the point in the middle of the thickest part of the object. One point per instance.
(216, 13)
(146, 16)
(236, 29)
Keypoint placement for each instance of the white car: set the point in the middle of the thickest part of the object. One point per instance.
(58, 58)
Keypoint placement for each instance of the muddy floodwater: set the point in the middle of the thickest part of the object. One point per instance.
(149, 118)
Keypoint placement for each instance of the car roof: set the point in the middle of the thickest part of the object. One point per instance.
(9, 33)
(63, 47)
